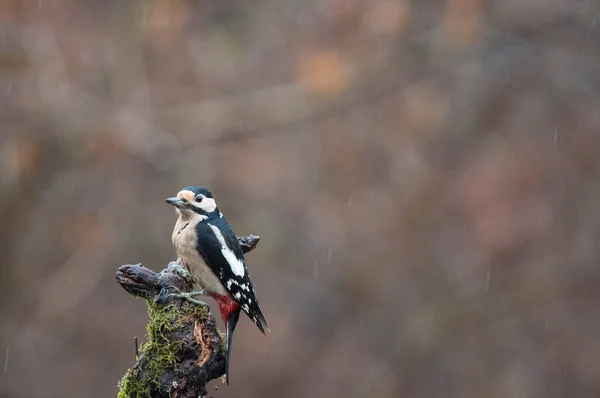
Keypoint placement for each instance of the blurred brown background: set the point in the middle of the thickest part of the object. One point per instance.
(423, 174)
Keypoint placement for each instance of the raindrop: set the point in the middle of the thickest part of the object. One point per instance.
(350, 201)
(6, 359)
(242, 124)
(487, 282)
(315, 269)
(329, 256)
(40, 4)
(9, 87)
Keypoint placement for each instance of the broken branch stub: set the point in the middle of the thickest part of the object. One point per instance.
(184, 349)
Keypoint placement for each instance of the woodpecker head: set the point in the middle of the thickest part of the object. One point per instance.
(194, 200)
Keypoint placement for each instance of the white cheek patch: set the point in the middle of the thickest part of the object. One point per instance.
(208, 204)
(236, 265)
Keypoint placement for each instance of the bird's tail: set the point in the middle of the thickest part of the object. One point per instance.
(232, 321)
(259, 319)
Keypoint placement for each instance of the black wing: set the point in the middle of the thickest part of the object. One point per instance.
(238, 285)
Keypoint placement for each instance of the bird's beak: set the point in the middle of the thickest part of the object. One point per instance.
(177, 202)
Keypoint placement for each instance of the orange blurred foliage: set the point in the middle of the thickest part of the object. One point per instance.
(324, 73)
(386, 17)
(462, 21)
(162, 20)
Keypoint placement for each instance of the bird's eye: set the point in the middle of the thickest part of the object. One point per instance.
(199, 198)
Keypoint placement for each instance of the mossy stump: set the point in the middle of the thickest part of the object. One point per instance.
(184, 349)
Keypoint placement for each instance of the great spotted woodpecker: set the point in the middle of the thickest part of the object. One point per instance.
(210, 251)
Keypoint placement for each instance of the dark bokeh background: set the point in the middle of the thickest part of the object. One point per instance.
(423, 174)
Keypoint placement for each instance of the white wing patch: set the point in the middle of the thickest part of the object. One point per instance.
(237, 266)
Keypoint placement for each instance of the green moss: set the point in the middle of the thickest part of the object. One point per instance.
(223, 341)
(200, 312)
(130, 386)
(160, 351)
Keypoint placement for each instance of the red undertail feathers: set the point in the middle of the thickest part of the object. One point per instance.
(230, 312)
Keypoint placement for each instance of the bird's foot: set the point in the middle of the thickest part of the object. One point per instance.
(190, 296)
(184, 273)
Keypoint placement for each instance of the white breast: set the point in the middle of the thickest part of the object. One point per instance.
(184, 240)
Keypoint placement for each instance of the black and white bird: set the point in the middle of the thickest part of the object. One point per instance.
(210, 251)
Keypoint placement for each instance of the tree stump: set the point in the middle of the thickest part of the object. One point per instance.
(184, 349)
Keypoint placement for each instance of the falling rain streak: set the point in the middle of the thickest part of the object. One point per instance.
(6, 359)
